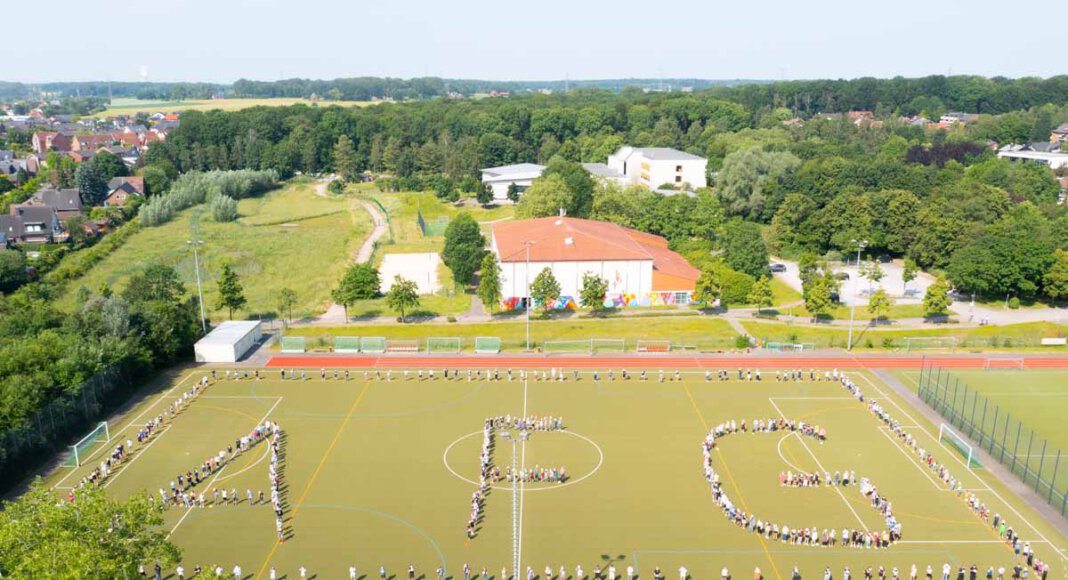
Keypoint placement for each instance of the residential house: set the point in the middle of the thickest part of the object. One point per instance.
(66, 202)
(652, 167)
(1044, 153)
(29, 224)
(45, 141)
(1060, 134)
(11, 166)
(957, 117)
(521, 175)
(92, 142)
(122, 188)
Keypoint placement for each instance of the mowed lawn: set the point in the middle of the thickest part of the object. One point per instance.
(289, 237)
(381, 473)
(1036, 398)
(127, 106)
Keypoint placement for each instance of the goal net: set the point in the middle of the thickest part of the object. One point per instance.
(959, 443)
(654, 346)
(566, 347)
(372, 344)
(607, 345)
(443, 345)
(1015, 364)
(293, 343)
(487, 344)
(347, 344)
(930, 343)
(80, 450)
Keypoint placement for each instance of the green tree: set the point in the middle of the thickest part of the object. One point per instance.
(403, 296)
(95, 537)
(231, 294)
(545, 197)
(489, 282)
(936, 301)
(872, 272)
(513, 193)
(579, 183)
(908, 273)
(92, 187)
(1055, 282)
(345, 158)
(12, 270)
(747, 175)
(707, 288)
(761, 294)
(109, 165)
(879, 304)
(484, 194)
(744, 248)
(464, 247)
(287, 298)
(336, 187)
(545, 289)
(818, 297)
(593, 290)
(223, 208)
(359, 282)
(158, 177)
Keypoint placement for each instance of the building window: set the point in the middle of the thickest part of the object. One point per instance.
(678, 179)
(682, 298)
(678, 169)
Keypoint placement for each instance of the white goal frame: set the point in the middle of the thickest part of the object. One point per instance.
(74, 448)
(999, 364)
(944, 428)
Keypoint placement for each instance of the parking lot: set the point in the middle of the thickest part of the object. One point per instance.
(857, 288)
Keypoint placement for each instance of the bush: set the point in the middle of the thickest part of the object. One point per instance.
(223, 208)
(741, 341)
(1014, 303)
(450, 318)
(196, 188)
(888, 343)
(869, 344)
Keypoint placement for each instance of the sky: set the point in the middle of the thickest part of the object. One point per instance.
(225, 40)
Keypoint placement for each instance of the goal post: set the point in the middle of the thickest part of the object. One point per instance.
(443, 345)
(607, 345)
(293, 343)
(959, 443)
(566, 346)
(653, 346)
(373, 344)
(80, 450)
(487, 345)
(998, 364)
(930, 343)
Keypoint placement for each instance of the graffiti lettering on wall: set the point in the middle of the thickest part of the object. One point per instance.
(615, 300)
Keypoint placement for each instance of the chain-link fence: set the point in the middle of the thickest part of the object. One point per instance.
(1025, 452)
(26, 445)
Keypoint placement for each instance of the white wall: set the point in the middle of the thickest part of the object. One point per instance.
(630, 276)
(660, 172)
(500, 188)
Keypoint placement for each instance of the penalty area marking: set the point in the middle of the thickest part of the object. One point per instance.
(596, 468)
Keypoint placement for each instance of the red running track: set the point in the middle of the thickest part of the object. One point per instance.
(663, 361)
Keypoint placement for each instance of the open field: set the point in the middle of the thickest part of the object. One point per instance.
(288, 237)
(134, 106)
(1037, 399)
(381, 473)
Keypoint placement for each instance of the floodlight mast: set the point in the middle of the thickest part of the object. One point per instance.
(861, 244)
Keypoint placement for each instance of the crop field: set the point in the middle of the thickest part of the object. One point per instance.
(134, 106)
(378, 469)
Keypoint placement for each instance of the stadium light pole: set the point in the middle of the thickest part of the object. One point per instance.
(200, 288)
(520, 437)
(861, 244)
(526, 273)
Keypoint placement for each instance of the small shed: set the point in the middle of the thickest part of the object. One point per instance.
(228, 342)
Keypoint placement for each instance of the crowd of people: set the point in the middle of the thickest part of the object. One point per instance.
(274, 472)
(791, 479)
(538, 474)
(123, 451)
(487, 473)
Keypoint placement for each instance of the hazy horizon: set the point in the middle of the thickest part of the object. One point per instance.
(220, 42)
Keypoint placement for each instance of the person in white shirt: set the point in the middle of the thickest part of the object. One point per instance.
(630, 572)
(683, 572)
(180, 572)
(352, 572)
(237, 572)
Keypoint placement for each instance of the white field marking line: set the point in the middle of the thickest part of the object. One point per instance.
(1012, 508)
(958, 542)
(570, 481)
(140, 452)
(815, 398)
(779, 447)
(820, 465)
(219, 473)
(913, 461)
(132, 421)
(257, 462)
(522, 466)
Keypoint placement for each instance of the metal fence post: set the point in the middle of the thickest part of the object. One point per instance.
(1027, 457)
(971, 420)
(1016, 446)
(1004, 437)
(982, 423)
(994, 431)
(1056, 466)
(1041, 463)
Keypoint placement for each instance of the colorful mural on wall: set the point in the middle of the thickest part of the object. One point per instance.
(612, 300)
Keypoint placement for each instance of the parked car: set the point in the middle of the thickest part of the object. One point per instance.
(777, 267)
(841, 275)
(884, 259)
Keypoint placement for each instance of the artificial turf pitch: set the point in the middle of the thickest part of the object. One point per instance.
(377, 473)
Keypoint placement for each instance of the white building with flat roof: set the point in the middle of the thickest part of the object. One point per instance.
(520, 174)
(1054, 160)
(652, 167)
(228, 342)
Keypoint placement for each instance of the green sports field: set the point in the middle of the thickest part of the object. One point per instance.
(381, 473)
(1035, 400)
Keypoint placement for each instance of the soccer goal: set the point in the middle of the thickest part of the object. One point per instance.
(566, 347)
(653, 346)
(487, 345)
(293, 343)
(997, 364)
(373, 344)
(607, 345)
(348, 344)
(956, 441)
(443, 345)
(80, 450)
(930, 343)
